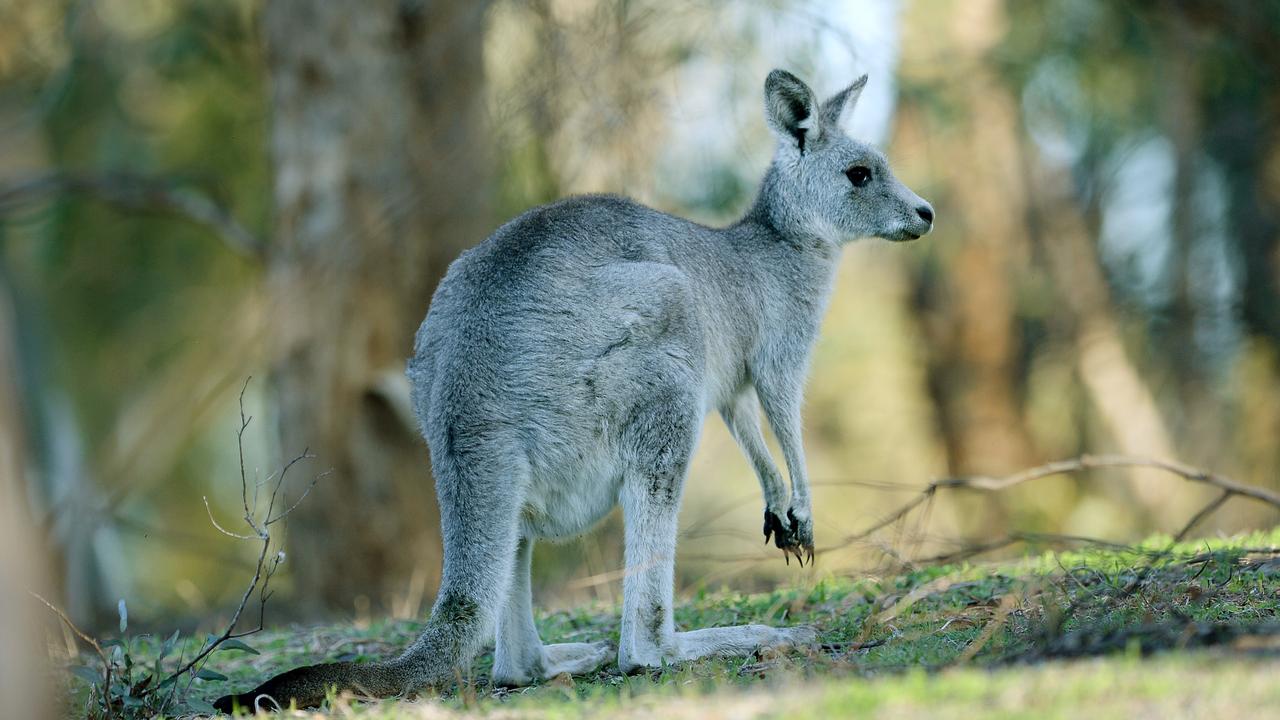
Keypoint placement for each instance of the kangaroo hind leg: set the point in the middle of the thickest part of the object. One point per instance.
(519, 655)
(664, 441)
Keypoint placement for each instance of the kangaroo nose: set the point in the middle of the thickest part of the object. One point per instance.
(926, 213)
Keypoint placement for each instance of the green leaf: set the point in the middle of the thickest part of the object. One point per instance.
(202, 707)
(87, 674)
(113, 642)
(169, 644)
(207, 674)
(234, 644)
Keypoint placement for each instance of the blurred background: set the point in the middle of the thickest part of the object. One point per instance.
(193, 192)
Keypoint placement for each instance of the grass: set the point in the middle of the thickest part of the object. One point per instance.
(1157, 630)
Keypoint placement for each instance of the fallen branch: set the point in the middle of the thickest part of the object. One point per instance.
(1230, 488)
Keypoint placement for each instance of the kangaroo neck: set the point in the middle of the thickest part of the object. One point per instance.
(776, 232)
(788, 223)
(792, 266)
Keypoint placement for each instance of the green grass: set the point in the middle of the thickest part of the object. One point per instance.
(1158, 630)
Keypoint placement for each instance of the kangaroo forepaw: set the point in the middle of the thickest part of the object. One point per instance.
(792, 537)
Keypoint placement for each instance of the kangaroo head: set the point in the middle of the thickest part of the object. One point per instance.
(827, 182)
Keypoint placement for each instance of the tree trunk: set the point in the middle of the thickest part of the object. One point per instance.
(23, 650)
(380, 179)
(974, 369)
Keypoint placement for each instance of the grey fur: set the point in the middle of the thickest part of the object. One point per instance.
(567, 364)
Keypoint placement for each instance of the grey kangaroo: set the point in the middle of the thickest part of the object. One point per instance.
(566, 366)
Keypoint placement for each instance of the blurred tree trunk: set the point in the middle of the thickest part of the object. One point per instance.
(380, 179)
(1116, 388)
(974, 371)
(1243, 137)
(23, 650)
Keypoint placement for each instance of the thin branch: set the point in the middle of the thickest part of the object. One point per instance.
(891, 519)
(1228, 486)
(1094, 462)
(209, 647)
(1205, 512)
(221, 529)
(268, 519)
(138, 193)
(263, 596)
(267, 564)
(173, 690)
(244, 490)
(102, 655)
(70, 625)
(303, 496)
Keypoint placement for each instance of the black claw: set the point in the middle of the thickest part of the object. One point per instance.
(788, 539)
(773, 527)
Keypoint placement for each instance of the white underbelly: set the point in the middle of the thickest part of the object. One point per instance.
(570, 500)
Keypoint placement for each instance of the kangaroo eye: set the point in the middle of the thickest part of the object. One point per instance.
(858, 175)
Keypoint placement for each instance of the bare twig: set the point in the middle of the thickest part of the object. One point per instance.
(268, 563)
(89, 640)
(70, 625)
(1202, 514)
(138, 193)
(303, 496)
(221, 529)
(244, 492)
(267, 518)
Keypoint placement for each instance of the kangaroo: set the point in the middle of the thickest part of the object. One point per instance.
(566, 366)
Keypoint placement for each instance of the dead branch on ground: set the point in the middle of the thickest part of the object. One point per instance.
(1230, 488)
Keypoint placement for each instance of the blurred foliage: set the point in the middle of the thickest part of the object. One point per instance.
(1103, 276)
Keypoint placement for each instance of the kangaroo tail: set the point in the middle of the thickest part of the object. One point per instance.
(450, 639)
(479, 555)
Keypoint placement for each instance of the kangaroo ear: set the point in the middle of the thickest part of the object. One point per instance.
(790, 108)
(837, 111)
